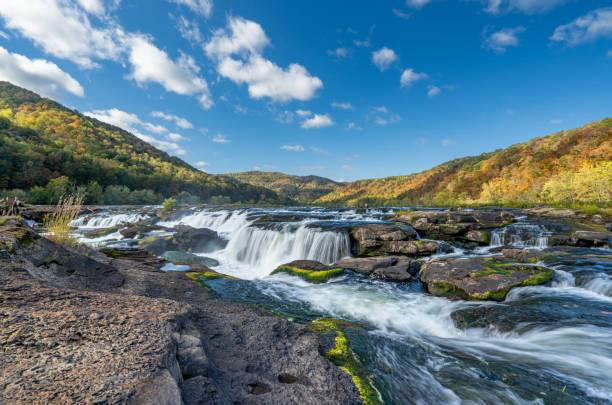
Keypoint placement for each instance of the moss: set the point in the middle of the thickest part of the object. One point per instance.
(209, 275)
(112, 254)
(3, 219)
(275, 312)
(538, 278)
(492, 267)
(103, 232)
(342, 355)
(153, 239)
(308, 275)
(443, 288)
(52, 259)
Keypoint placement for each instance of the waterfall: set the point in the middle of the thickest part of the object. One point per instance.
(226, 222)
(106, 220)
(522, 235)
(267, 249)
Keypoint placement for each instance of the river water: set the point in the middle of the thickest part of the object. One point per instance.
(542, 345)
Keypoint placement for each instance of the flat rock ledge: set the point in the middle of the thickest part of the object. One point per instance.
(78, 326)
(387, 268)
(479, 278)
(384, 239)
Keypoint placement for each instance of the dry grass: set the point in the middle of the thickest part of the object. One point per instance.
(58, 222)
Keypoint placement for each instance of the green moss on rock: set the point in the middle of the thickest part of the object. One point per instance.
(309, 275)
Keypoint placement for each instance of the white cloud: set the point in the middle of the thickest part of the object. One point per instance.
(433, 91)
(382, 116)
(294, 148)
(409, 76)
(63, 30)
(589, 27)
(498, 41)
(338, 52)
(38, 75)
(220, 138)
(180, 122)
(401, 14)
(4, 35)
(129, 122)
(284, 117)
(237, 52)
(318, 121)
(189, 30)
(447, 142)
(158, 129)
(319, 150)
(201, 7)
(151, 64)
(417, 3)
(176, 137)
(384, 57)
(303, 113)
(347, 167)
(353, 126)
(202, 163)
(525, 6)
(343, 106)
(92, 6)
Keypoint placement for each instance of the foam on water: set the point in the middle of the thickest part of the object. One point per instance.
(107, 220)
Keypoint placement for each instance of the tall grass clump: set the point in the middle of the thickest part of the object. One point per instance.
(58, 222)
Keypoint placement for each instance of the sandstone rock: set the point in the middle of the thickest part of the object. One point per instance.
(479, 278)
(587, 238)
(368, 265)
(186, 239)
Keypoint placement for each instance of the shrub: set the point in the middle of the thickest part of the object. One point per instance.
(169, 204)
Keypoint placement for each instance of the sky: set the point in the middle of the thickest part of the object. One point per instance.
(341, 89)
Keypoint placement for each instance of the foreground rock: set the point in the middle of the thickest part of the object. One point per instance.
(382, 239)
(113, 330)
(388, 268)
(187, 239)
(479, 278)
(309, 270)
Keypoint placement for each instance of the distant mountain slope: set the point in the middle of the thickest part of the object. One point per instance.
(304, 189)
(568, 167)
(41, 140)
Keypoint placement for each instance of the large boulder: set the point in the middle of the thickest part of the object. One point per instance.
(137, 230)
(187, 239)
(189, 258)
(309, 270)
(587, 238)
(388, 268)
(382, 239)
(479, 278)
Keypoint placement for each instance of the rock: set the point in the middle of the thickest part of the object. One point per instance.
(97, 233)
(552, 212)
(479, 278)
(134, 254)
(480, 237)
(587, 238)
(279, 218)
(598, 219)
(393, 273)
(137, 230)
(368, 238)
(531, 255)
(366, 265)
(187, 239)
(189, 258)
(560, 240)
(609, 226)
(309, 270)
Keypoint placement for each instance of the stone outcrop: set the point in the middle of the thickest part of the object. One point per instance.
(187, 239)
(388, 268)
(382, 239)
(479, 278)
(590, 239)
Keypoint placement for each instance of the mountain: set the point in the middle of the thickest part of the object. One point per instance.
(303, 189)
(568, 167)
(45, 146)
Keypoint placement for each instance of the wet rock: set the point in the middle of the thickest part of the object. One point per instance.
(552, 212)
(560, 240)
(366, 265)
(187, 239)
(138, 230)
(134, 254)
(97, 233)
(479, 278)
(609, 226)
(588, 239)
(480, 237)
(279, 218)
(380, 239)
(598, 219)
(189, 258)
(531, 255)
(393, 273)
(309, 270)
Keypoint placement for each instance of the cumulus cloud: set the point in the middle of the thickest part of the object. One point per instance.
(303, 113)
(384, 57)
(220, 138)
(525, 6)
(318, 121)
(237, 52)
(499, 41)
(409, 77)
(130, 122)
(201, 7)
(176, 137)
(64, 30)
(202, 163)
(589, 27)
(189, 30)
(342, 105)
(294, 148)
(338, 52)
(38, 75)
(179, 121)
(92, 6)
(151, 64)
(433, 91)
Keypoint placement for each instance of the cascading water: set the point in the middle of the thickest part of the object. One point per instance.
(107, 220)
(262, 250)
(521, 235)
(225, 222)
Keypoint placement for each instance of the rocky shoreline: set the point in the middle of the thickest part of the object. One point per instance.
(77, 326)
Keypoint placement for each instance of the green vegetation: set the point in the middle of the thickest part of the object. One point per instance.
(302, 189)
(49, 151)
(568, 169)
(309, 275)
(343, 356)
(169, 204)
(209, 275)
(58, 222)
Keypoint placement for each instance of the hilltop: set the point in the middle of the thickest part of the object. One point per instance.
(48, 150)
(302, 189)
(568, 167)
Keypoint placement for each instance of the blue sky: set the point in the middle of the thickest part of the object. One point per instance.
(342, 89)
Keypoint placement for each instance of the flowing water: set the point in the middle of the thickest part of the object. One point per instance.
(542, 345)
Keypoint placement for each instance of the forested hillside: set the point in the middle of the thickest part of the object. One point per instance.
(48, 150)
(303, 189)
(565, 168)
